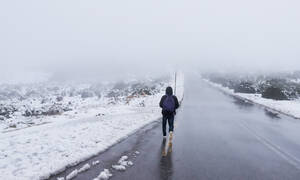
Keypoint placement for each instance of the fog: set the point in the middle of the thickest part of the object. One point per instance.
(113, 38)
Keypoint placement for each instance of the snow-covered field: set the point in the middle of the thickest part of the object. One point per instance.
(288, 107)
(49, 144)
(27, 105)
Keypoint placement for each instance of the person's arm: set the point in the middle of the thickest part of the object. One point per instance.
(176, 102)
(161, 101)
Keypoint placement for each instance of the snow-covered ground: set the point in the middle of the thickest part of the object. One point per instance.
(27, 105)
(36, 152)
(288, 107)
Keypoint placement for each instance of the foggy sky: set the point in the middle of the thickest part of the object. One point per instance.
(134, 36)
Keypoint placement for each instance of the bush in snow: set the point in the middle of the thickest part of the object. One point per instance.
(281, 86)
(53, 110)
(143, 90)
(33, 112)
(279, 89)
(274, 93)
(245, 87)
(7, 110)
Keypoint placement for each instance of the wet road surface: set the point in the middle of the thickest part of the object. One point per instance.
(216, 137)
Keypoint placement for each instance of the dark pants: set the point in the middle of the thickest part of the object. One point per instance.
(170, 119)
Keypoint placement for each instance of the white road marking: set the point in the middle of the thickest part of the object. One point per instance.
(291, 159)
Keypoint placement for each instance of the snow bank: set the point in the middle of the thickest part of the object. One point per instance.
(84, 168)
(119, 167)
(122, 164)
(75, 172)
(95, 163)
(40, 151)
(37, 152)
(290, 108)
(123, 160)
(104, 175)
(72, 175)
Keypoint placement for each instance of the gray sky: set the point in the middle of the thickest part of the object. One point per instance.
(122, 36)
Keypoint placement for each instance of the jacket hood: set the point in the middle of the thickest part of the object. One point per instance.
(169, 91)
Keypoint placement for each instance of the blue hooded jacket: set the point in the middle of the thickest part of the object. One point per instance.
(169, 92)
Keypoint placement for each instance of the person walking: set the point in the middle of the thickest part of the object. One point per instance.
(169, 104)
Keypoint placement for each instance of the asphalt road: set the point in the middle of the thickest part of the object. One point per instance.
(216, 137)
